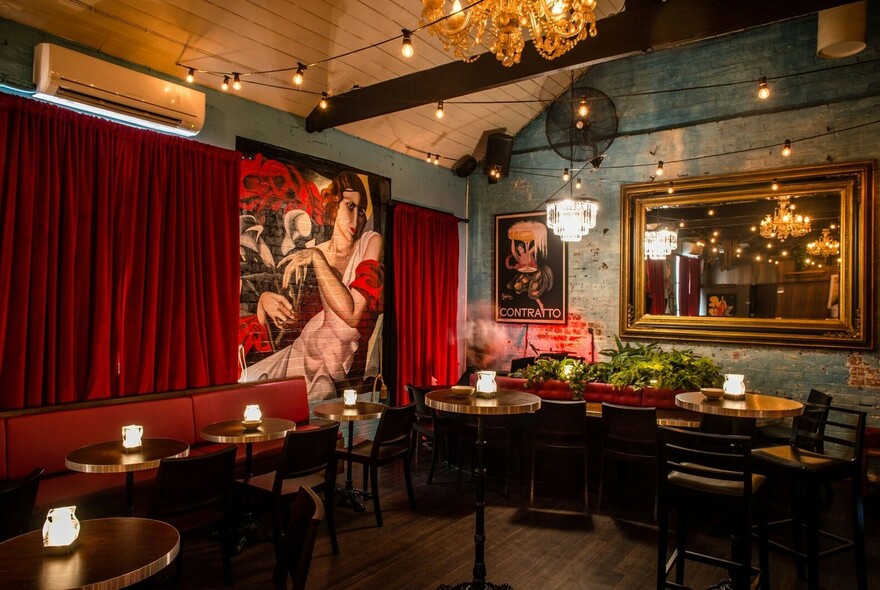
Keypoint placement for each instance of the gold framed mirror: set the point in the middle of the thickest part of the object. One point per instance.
(777, 257)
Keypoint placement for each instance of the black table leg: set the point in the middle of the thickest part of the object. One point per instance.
(129, 492)
(479, 582)
(350, 494)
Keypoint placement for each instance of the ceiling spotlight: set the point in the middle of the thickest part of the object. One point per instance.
(659, 171)
(190, 76)
(763, 89)
(323, 103)
(565, 175)
(225, 86)
(774, 186)
(786, 148)
(407, 48)
(299, 75)
(582, 108)
(236, 82)
(439, 112)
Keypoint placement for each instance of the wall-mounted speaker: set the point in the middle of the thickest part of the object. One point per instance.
(464, 166)
(499, 148)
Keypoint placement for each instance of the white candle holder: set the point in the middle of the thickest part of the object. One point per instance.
(132, 437)
(486, 386)
(60, 530)
(349, 397)
(734, 386)
(253, 417)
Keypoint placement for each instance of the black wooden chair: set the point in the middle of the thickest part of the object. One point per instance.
(393, 442)
(433, 427)
(560, 429)
(305, 517)
(806, 466)
(629, 435)
(780, 434)
(17, 500)
(698, 469)
(308, 459)
(194, 493)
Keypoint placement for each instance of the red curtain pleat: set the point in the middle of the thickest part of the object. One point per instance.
(426, 296)
(118, 268)
(657, 285)
(689, 286)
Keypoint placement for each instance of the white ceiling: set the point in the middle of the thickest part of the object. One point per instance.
(224, 36)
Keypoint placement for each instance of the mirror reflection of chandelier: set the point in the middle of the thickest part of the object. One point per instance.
(660, 243)
(784, 223)
(572, 218)
(555, 26)
(825, 246)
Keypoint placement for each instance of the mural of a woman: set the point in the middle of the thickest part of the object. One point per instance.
(347, 268)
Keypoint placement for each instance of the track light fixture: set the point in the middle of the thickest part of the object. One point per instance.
(300, 74)
(439, 112)
(190, 76)
(763, 89)
(406, 49)
(786, 148)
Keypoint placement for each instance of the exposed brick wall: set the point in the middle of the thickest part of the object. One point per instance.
(682, 125)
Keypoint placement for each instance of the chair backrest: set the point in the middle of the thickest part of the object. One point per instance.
(718, 464)
(306, 452)
(629, 432)
(561, 422)
(189, 484)
(845, 430)
(17, 500)
(306, 515)
(417, 394)
(394, 429)
(809, 428)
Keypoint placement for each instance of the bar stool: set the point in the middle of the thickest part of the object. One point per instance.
(807, 467)
(696, 469)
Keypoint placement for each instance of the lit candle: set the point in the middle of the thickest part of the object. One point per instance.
(252, 413)
(486, 382)
(132, 436)
(349, 397)
(61, 527)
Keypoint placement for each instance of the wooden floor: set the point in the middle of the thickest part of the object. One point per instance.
(550, 544)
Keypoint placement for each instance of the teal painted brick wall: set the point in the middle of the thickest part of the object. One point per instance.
(681, 125)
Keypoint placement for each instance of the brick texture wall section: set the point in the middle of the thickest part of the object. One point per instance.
(720, 118)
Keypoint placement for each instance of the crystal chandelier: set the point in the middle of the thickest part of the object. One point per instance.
(659, 244)
(784, 223)
(572, 218)
(555, 26)
(824, 247)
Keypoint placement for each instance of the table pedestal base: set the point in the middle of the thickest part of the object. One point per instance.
(351, 496)
(475, 586)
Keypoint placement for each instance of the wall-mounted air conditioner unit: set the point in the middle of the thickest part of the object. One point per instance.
(85, 83)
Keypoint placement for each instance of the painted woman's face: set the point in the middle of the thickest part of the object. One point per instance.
(351, 217)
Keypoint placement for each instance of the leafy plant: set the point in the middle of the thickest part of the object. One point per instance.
(573, 371)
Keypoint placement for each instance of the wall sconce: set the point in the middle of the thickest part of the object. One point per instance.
(253, 417)
(349, 397)
(132, 436)
(61, 528)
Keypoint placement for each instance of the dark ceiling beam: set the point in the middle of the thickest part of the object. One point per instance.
(650, 26)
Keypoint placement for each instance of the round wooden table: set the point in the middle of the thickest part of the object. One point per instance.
(112, 457)
(110, 553)
(753, 405)
(337, 410)
(504, 403)
(232, 431)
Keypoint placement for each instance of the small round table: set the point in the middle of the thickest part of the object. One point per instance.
(351, 414)
(112, 457)
(504, 403)
(232, 431)
(753, 405)
(110, 553)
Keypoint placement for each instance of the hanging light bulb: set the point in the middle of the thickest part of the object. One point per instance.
(774, 186)
(439, 113)
(300, 74)
(190, 76)
(407, 48)
(763, 89)
(436, 159)
(236, 82)
(428, 158)
(577, 183)
(582, 108)
(659, 171)
(786, 148)
(225, 86)
(670, 190)
(323, 103)
(565, 175)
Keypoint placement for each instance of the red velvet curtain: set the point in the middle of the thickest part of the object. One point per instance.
(426, 296)
(118, 259)
(656, 285)
(688, 286)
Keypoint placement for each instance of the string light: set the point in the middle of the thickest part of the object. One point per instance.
(406, 49)
(436, 159)
(786, 148)
(236, 82)
(323, 103)
(299, 76)
(659, 171)
(190, 76)
(774, 186)
(428, 158)
(670, 190)
(225, 86)
(763, 89)
(582, 109)
(578, 184)
(439, 113)
(566, 176)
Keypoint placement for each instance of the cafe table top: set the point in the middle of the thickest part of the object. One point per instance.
(753, 405)
(109, 553)
(112, 457)
(337, 410)
(232, 431)
(504, 402)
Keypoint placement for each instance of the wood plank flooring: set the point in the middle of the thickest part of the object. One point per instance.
(550, 544)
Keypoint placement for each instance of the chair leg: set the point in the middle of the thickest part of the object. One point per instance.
(680, 543)
(532, 485)
(662, 548)
(763, 545)
(798, 503)
(407, 476)
(434, 454)
(858, 533)
(812, 520)
(280, 572)
(226, 553)
(601, 482)
(331, 521)
(375, 492)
